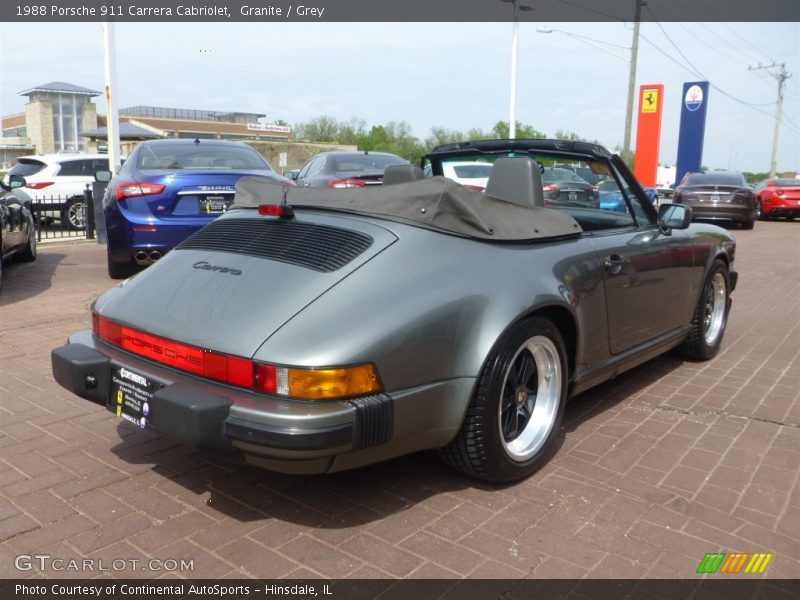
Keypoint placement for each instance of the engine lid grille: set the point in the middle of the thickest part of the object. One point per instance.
(318, 247)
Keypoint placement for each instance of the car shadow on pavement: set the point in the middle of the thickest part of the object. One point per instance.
(23, 280)
(351, 498)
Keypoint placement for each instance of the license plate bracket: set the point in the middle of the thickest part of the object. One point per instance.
(214, 204)
(131, 396)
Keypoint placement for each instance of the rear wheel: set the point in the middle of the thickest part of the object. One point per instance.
(748, 224)
(760, 212)
(74, 214)
(120, 270)
(710, 315)
(513, 419)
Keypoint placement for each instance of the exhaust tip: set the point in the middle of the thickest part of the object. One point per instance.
(155, 255)
(141, 257)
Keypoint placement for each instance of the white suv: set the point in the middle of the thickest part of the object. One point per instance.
(60, 180)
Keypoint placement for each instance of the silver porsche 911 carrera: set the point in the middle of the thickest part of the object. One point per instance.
(316, 330)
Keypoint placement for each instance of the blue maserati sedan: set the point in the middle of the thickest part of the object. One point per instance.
(167, 190)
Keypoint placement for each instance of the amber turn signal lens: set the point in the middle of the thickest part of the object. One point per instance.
(328, 384)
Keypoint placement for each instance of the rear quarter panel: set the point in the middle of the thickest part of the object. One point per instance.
(431, 306)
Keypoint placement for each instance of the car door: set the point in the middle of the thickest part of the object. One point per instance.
(648, 276)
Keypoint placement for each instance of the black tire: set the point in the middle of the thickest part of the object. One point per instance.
(748, 224)
(790, 217)
(499, 441)
(74, 213)
(29, 254)
(120, 270)
(710, 316)
(760, 212)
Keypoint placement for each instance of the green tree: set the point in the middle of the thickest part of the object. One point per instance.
(321, 129)
(524, 132)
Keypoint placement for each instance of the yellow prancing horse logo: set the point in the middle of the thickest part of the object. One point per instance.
(649, 101)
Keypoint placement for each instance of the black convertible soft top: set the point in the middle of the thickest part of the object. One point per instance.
(436, 203)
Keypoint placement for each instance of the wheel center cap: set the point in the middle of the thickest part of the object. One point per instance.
(521, 396)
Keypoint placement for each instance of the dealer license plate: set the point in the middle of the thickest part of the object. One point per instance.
(132, 396)
(214, 204)
(573, 195)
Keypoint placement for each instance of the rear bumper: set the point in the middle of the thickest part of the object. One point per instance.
(737, 213)
(127, 237)
(200, 416)
(280, 434)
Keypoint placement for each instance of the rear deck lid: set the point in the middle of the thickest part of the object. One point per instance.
(233, 284)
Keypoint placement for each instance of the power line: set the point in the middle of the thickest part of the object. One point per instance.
(700, 74)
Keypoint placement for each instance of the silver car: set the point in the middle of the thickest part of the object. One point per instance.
(316, 330)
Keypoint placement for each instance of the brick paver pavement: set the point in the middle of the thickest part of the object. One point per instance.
(657, 468)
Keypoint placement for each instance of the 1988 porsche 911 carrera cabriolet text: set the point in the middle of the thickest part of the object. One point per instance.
(316, 330)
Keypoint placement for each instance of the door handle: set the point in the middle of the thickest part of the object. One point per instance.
(614, 264)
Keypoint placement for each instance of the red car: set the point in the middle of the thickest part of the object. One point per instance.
(778, 198)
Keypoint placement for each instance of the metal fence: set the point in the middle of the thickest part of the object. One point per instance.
(56, 217)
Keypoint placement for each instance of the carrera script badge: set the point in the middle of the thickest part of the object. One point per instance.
(209, 267)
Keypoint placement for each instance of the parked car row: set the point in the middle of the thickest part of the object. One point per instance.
(169, 189)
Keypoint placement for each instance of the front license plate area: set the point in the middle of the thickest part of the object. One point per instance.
(131, 396)
(715, 198)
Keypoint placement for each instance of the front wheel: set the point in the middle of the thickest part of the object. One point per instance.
(710, 315)
(29, 254)
(514, 416)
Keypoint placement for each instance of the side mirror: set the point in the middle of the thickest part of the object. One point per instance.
(16, 181)
(674, 216)
(102, 176)
(292, 174)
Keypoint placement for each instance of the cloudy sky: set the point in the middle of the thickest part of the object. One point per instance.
(430, 74)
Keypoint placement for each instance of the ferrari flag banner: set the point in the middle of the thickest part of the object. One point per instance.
(648, 133)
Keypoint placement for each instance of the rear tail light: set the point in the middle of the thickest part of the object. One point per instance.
(779, 192)
(132, 189)
(284, 211)
(477, 188)
(317, 384)
(39, 185)
(550, 188)
(304, 384)
(346, 183)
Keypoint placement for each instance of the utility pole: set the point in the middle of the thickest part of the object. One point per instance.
(626, 143)
(782, 76)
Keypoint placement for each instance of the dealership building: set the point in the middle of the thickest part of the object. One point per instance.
(62, 117)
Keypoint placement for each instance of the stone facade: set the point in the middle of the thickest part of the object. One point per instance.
(39, 125)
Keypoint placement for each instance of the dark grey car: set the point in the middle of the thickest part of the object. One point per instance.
(346, 169)
(316, 330)
(718, 196)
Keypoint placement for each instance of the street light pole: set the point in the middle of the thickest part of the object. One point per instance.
(626, 144)
(112, 116)
(512, 108)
